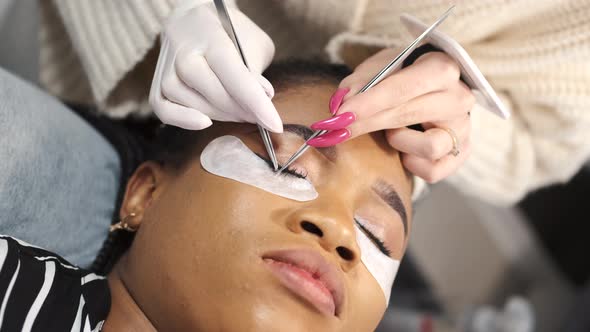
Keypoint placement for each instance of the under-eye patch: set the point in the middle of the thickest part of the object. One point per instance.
(382, 268)
(229, 157)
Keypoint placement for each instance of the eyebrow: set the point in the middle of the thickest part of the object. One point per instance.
(305, 133)
(388, 194)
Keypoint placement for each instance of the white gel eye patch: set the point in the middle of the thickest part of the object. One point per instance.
(229, 157)
(382, 267)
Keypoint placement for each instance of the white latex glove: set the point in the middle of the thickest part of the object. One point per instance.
(200, 75)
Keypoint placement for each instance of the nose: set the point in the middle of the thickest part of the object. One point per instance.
(334, 232)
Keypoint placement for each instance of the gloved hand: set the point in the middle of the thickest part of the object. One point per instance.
(200, 75)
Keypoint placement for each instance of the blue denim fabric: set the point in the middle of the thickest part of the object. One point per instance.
(58, 176)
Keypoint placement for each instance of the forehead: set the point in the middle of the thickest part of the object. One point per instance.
(304, 104)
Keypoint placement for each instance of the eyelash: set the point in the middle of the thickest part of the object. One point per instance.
(375, 239)
(288, 171)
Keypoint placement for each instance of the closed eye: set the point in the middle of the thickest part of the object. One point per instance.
(288, 171)
(377, 241)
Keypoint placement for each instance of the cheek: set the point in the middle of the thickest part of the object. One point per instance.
(212, 213)
(193, 237)
(367, 305)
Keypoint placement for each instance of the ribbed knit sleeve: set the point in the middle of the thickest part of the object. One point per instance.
(535, 54)
(109, 38)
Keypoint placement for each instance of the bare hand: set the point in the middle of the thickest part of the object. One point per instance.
(428, 92)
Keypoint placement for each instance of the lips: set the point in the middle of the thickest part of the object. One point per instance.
(309, 276)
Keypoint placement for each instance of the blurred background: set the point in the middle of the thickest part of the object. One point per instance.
(469, 264)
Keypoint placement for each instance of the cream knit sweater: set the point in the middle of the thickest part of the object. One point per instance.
(534, 52)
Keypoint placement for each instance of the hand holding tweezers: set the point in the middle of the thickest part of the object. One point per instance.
(229, 28)
(394, 64)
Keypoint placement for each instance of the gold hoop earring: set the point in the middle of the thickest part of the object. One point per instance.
(124, 224)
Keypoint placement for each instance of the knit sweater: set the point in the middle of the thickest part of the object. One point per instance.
(534, 52)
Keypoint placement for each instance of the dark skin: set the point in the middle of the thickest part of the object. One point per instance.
(195, 263)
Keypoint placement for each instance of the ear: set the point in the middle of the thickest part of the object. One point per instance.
(141, 189)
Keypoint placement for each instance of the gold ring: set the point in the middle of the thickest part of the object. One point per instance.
(455, 150)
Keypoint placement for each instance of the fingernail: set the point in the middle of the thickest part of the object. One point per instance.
(330, 138)
(273, 125)
(337, 98)
(270, 119)
(267, 86)
(336, 122)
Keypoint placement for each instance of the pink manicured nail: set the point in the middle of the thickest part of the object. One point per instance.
(336, 99)
(330, 138)
(336, 122)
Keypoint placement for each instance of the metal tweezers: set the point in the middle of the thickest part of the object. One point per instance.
(395, 63)
(229, 29)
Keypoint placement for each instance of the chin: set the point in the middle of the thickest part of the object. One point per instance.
(270, 308)
(284, 312)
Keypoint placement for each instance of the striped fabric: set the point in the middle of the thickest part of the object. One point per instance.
(40, 291)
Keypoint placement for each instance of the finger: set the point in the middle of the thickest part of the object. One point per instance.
(434, 171)
(434, 72)
(156, 87)
(194, 71)
(432, 107)
(177, 92)
(266, 85)
(432, 144)
(365, 71)
(167, 111)
(181, 116)
(243, 86)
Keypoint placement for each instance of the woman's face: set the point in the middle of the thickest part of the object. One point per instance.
(208, 253)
